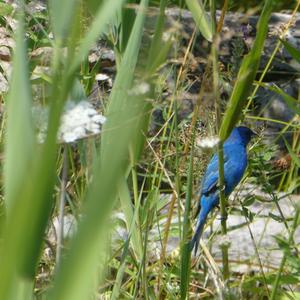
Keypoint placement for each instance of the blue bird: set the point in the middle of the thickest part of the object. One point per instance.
(235, 163)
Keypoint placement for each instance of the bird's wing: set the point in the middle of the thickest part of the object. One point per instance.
(211, 177)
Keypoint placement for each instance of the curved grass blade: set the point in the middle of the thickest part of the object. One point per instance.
(19, 152)
(185, 265)
(104, 14)
(61, 17)
(88, 247)
(290, 101)
(246, 75)
(201, 18)
(20, 137)
(292, 50)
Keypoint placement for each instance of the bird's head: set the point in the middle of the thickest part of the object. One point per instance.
(241, 134)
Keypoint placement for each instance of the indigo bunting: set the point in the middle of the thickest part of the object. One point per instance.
(235, 163)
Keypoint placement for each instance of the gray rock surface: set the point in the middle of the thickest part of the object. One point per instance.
(264, 230)
(236, 38)
(245, 253)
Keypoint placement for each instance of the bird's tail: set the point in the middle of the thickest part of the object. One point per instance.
(198, 232)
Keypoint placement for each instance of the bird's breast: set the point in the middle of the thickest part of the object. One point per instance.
(235, 167)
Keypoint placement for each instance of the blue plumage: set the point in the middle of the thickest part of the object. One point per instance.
(235, 163)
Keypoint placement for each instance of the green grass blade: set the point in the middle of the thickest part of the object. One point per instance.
(62, 17)
(127, 20)
(121, 270)
(20, 138)
(292, 50)
(246, 75)
(185, 265)
(294, 156)
(5, 9)
(104, 15)
(157, 42)
(32, 200)
(88, 246)
(128, 210)
(290, 101)
(131, 229)
(201, 18)
(19, 151)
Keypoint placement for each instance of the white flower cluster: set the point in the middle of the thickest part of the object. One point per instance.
(78, 121)
(139, 89)
(208, 142)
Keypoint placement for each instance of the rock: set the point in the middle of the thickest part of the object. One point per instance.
(236, 38)
(242, 28)
(264, 229)
(242, 251)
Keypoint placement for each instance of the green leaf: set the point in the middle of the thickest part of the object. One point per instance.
(201, 18)
(132, 229)
(20, 138)
(249, 200)
(185, 266)
(62, 13)
(128, 210)
(288, 295)
(5, 9)
(17, 270)
(104, 15)
(292, 50)
(246, 75)
(87, 250)
(31, 199)
(275, 217)
(93, 5)
(159, 48)
(247, 213)
(294, 156)
(291, 102)
(250, 283)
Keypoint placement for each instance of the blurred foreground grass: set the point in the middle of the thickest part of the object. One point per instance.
(129, 193)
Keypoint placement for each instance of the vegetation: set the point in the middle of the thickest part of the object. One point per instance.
(130, 192)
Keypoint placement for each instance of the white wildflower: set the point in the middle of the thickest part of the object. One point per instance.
(78, 121)
(98, 119)
(140, 89)
(208, 142)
